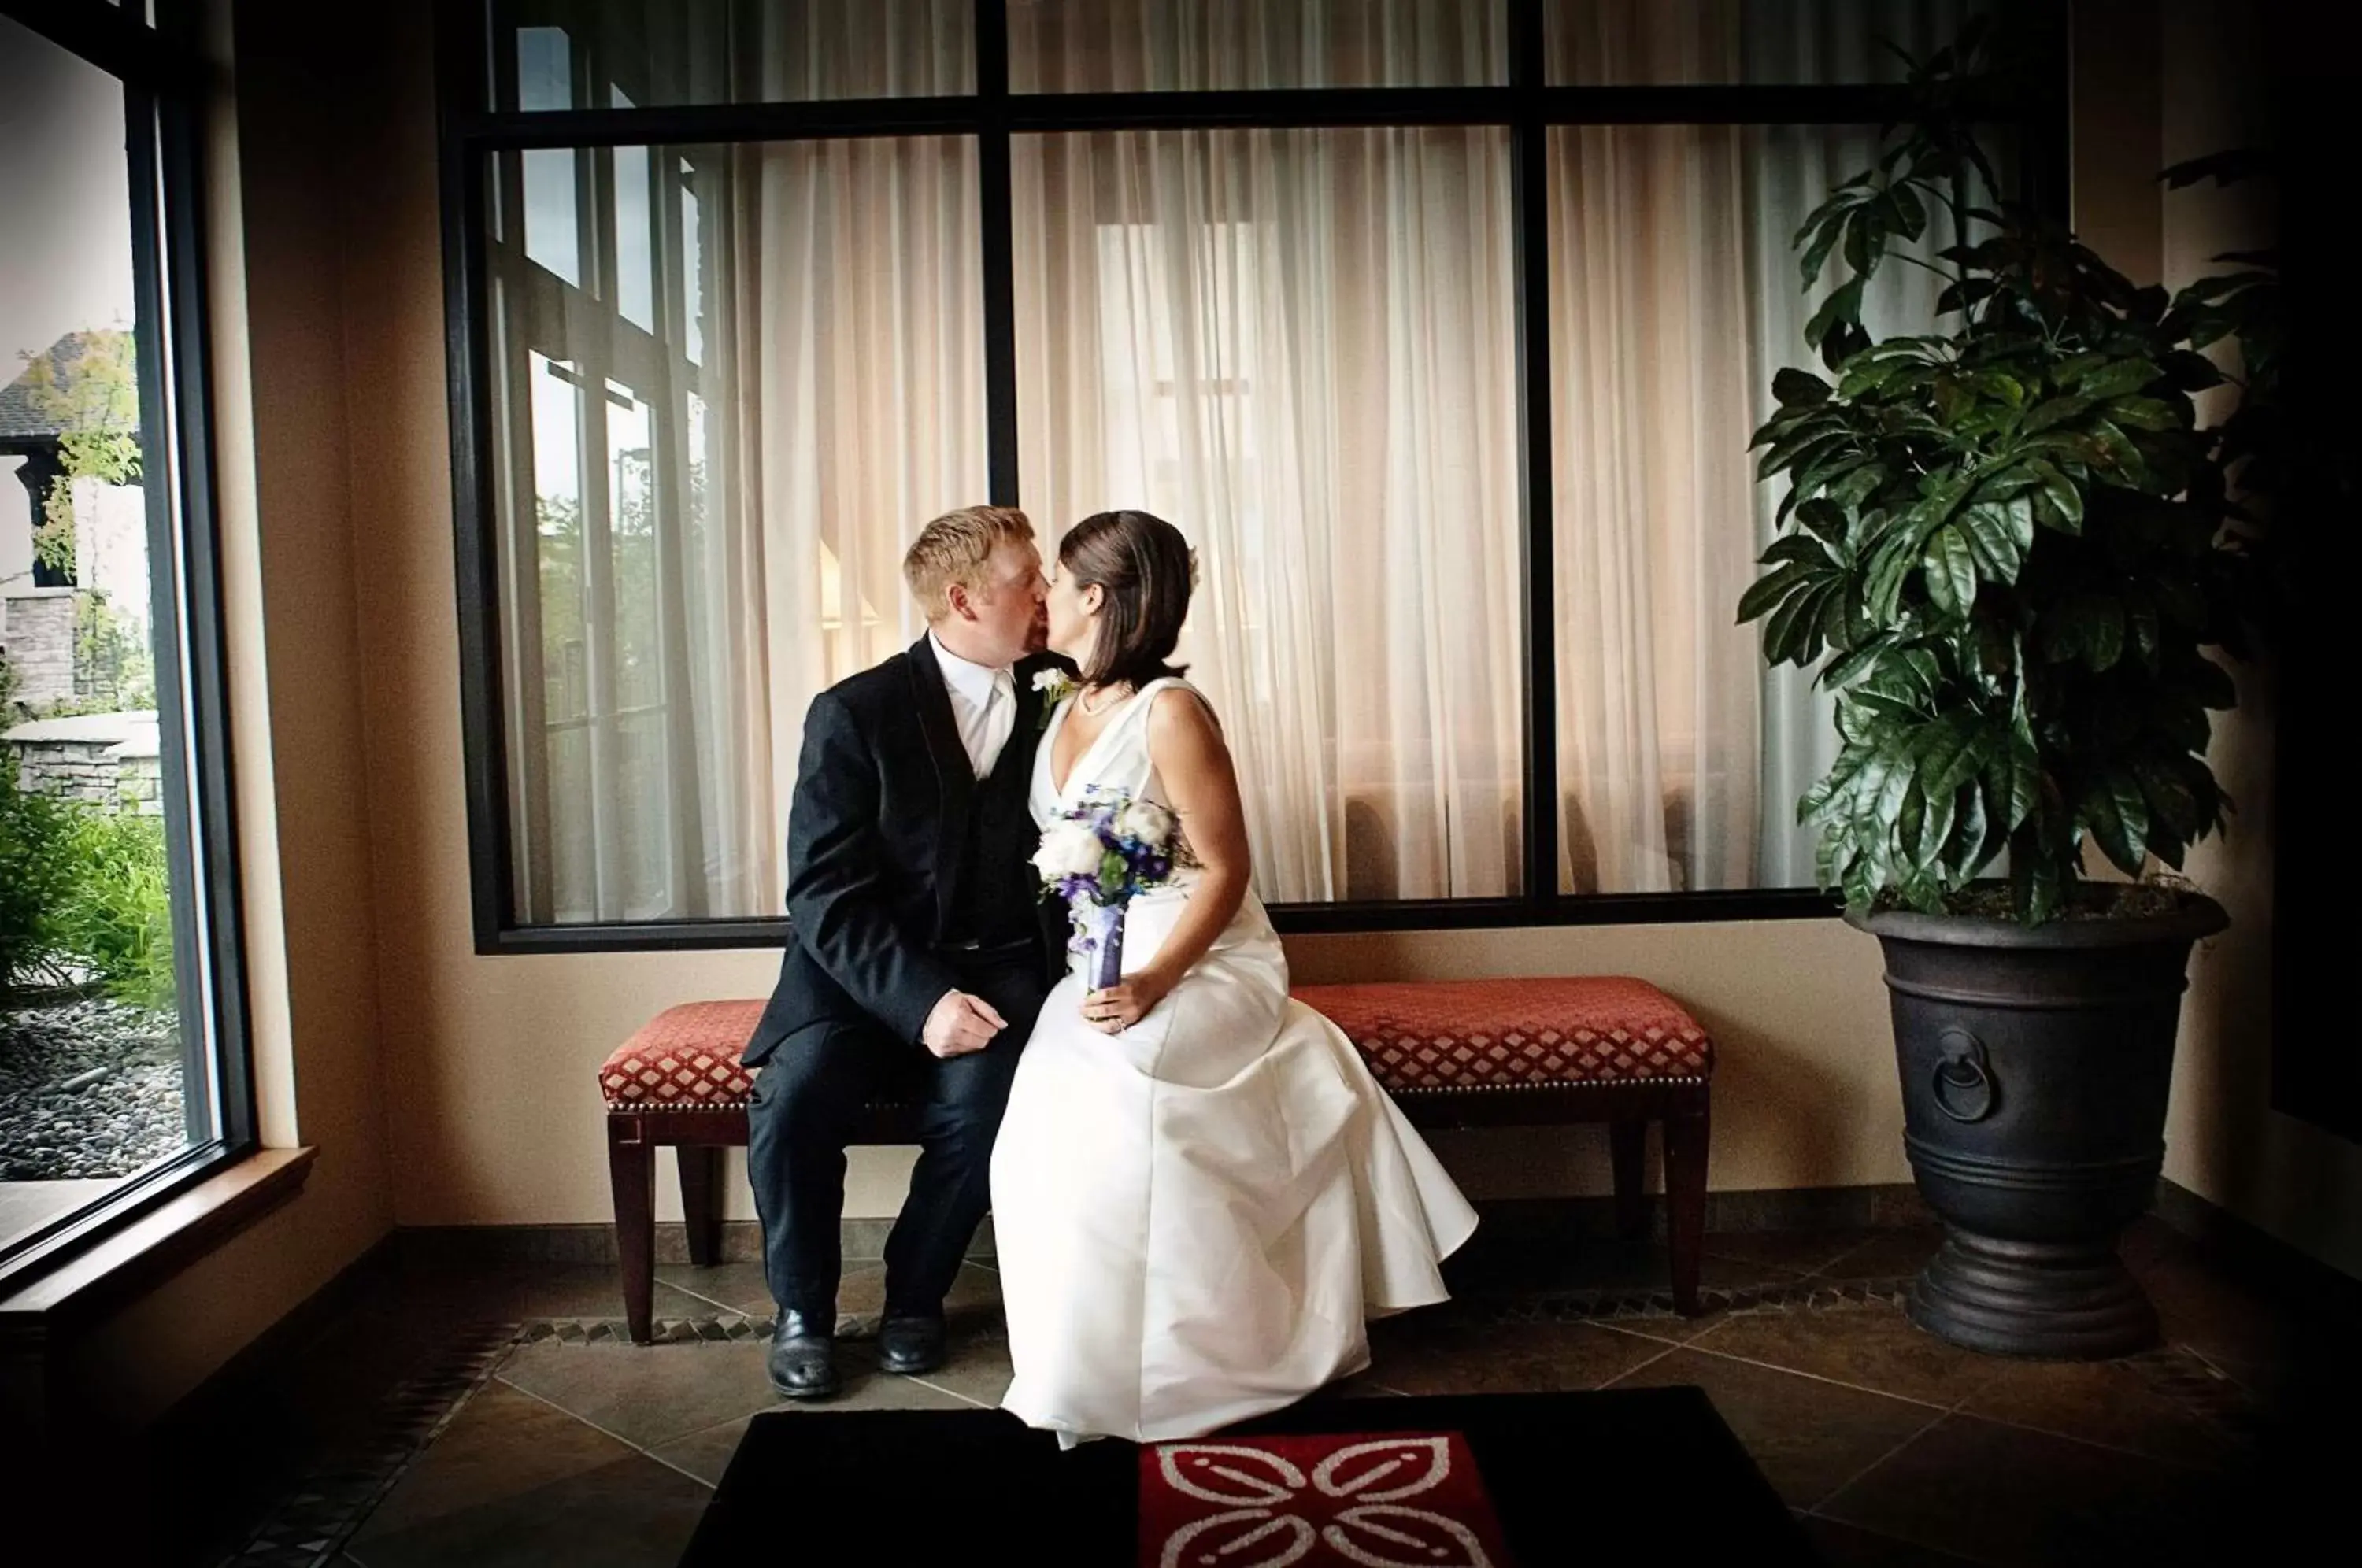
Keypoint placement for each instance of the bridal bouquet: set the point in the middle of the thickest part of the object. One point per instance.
(1099, 856)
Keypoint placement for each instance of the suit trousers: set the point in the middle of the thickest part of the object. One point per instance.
(807, 1106)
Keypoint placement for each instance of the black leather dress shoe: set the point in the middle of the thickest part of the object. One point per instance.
(803, 1355)
(911, 1342)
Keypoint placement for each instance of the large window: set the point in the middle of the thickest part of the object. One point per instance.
(1438, 326)
(122, 1047)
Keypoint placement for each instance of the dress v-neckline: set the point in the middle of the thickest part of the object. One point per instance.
(1050, 751)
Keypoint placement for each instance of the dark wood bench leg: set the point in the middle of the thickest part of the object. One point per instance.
(1685, 1145)
(701, 1201)
(631, 1170)
(1627, 1142)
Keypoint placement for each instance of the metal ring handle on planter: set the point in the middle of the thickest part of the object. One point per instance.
(1962, 1086)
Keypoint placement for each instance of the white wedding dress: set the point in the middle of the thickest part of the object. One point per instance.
(1195, 1217)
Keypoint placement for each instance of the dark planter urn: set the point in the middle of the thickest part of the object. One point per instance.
(2035, 1065)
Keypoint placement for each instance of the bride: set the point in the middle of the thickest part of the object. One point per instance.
(1199, 1194)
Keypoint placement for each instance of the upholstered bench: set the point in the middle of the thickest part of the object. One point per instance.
(1452, 1053)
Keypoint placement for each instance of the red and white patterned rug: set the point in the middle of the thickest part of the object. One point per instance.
(1375, 1500)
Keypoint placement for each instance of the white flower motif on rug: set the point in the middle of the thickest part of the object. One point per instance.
(1406, 1501)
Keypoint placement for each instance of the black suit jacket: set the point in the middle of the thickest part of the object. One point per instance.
(874, 840)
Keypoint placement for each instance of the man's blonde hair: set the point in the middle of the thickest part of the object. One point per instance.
(953, 548)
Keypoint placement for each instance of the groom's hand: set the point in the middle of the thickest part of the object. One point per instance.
(960, 1023)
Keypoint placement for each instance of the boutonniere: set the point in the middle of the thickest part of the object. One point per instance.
(1056, 686)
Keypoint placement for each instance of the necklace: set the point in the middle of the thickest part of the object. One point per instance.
(1084, 701)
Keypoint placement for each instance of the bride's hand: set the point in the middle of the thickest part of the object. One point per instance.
(1118, 1007)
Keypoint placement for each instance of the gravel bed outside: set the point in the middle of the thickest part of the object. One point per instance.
(88, 1088)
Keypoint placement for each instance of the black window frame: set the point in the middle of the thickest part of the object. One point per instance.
(160, 63)
(468, 54)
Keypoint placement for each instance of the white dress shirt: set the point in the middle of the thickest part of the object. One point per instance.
(984, 704)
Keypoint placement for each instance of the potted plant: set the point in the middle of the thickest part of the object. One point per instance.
(2008, 545)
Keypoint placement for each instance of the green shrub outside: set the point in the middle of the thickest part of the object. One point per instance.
(82, 888)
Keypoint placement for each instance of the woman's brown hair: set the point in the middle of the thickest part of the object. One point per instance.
(1144, 572)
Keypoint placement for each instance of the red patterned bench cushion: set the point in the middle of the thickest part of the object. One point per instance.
(1461, 1034)
(1418, 1036)
(686, 1059)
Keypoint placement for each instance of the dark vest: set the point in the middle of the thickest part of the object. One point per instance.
(998, 888)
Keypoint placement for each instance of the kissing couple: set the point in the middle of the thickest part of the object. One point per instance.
(1199, 1194)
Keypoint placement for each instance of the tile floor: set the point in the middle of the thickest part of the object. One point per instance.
(1892, 1447)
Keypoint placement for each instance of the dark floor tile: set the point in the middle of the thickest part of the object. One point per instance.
(502, 1443)
(978, 1370)
(632, 1513)
(728, 1286)
(1873, 1347)
(1598, 1264)
(975, 1297)
(706, 1455)
(653, 1396)
(2004, 1494)
(2149, 1242)
(1851, 1546)
(646, 1395)
(518, 1293)
(2116, 1404)
(1792, 1251)
(1886, 1254)
(1506, 1358)
(1808, 1437)
(2230, 1323)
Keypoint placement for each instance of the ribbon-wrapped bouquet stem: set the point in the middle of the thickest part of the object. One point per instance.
(1099, 856)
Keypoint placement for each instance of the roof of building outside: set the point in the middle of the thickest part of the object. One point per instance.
(21, 414)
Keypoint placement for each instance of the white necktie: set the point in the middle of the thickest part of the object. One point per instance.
(999, 718)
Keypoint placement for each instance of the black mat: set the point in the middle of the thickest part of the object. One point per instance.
(1576, 1478)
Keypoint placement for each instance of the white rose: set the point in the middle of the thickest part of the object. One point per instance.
(1145, 821)
(1070, 849)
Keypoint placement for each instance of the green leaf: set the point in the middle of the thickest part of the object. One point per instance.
(2022, 775)
(1826, 520)
(1791, 635)
(2061, 494)
(1795, 388)
(2119, 377)
(2118, 817)
(2103, 632)
(1843, 306)
(1951, 572)
(1769, 589)
(1909, 214)
(2170, 800)
(2148, 414)
(2008, 389)
(1992, 536)
(1802, 548)
(2058, 411)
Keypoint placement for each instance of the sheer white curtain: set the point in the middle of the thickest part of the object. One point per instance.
(1134, 46)
(1297, 347)
(861, 412)
(714, 462)
(1650, 411)
(1674, 299)
(1682, 42)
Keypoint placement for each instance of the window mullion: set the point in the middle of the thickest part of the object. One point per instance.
(997, 230)
(1529, 222)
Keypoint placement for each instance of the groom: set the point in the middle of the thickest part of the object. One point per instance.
(922, 947)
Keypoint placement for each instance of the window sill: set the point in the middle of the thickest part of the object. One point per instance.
(95, 1280)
